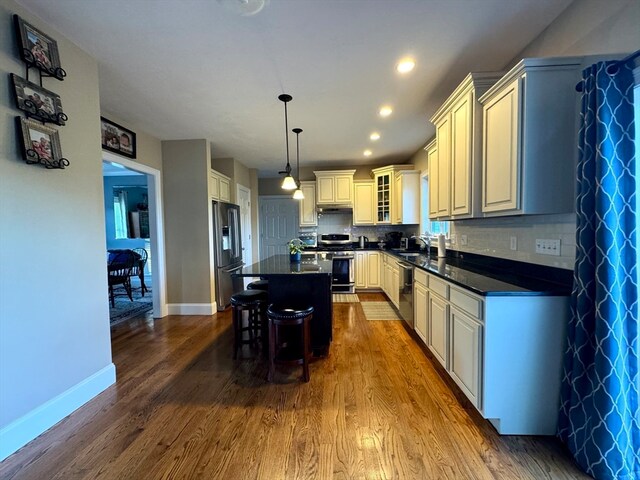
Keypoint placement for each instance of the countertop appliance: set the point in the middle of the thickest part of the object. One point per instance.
(362, 241)
(406, 292)
(227, 244)
(392, 239)
(339, 249)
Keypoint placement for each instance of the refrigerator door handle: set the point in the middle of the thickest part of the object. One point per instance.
(233, 269)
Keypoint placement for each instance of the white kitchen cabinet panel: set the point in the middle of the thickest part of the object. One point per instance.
(308, 213)
(432, 178)
(406, 205)
(373, 269)
(334, 187)
(363, 203)
(529, 143)
(219, 186)
(466, 354)
(438, 339)
(361, 269)
(443, 136)
(420, 310)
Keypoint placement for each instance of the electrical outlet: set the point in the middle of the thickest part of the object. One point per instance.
(454, 239)
(548, 246)
(513, 245)
(463, 240)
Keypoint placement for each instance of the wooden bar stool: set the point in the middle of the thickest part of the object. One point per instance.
(253, 302)
(288, 351)
(259, 285)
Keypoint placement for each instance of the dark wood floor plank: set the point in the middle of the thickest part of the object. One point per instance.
(377, 407)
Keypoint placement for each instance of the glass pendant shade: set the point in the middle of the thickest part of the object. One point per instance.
(298, 195)
(289, 183)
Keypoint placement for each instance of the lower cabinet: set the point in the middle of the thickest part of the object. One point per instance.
(420, 303)
(438, 337)
(367, 266)
(503, 351)
(466, 354)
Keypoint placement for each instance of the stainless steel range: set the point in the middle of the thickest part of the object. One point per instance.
(338, 248)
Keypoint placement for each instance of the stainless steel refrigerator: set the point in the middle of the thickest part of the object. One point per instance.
(227, 245)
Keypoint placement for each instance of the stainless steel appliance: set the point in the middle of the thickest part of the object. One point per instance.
(227, 244)
(362, 241)
(339, 249)
(406, 292)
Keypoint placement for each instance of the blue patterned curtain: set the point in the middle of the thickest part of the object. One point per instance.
(600, 415)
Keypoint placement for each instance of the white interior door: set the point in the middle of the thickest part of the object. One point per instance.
(244, 201)
(278, 224)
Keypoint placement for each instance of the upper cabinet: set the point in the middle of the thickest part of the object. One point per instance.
(456, 166)
(529, 139)
(386, 196)
(406, 204)
(432, 175)
(363, 202)
(334, 187)
(219, 186)
(308, 213)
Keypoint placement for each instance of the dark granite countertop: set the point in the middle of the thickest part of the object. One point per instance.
(488, 276)
(281, 265)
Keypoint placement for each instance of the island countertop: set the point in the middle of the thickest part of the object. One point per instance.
(281, 265)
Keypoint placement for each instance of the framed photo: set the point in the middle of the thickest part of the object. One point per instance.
(41, 144)
(117, 139)
(38, 102)
(38, 49)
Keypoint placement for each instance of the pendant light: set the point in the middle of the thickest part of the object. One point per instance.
(298, 194)
(288, 183)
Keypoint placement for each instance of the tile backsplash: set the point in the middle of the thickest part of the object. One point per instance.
(492, 236)
(343, 223)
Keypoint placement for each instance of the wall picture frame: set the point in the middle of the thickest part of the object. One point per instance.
(41, 144)
(117, 139)
(37, 49)
(38, 102)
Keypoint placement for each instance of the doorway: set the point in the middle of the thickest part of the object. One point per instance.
(155, 243)
(279, 222)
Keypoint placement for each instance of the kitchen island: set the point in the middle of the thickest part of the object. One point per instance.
(300, 284)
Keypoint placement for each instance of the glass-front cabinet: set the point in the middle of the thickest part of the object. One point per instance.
(384, 180)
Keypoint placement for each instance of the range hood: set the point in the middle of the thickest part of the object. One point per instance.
(324, 209)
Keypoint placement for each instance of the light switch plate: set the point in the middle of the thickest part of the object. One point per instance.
(463, 240)
(548, 246)
(454, 239)
(513, 243)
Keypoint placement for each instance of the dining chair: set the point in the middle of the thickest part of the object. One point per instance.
(119, 272)
(138, 267)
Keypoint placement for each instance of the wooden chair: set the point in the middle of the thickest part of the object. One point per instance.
(138, 268)
(119, 272)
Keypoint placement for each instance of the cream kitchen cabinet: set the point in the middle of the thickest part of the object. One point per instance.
(334, 187)
(406, 205)
(420, 304)
(529, 139)
(363, 203)
(367, 269)
(219, 186)
(466, 353)
(308, 213)
(459, 161)
(385, 194)
(438, 330)
(432, 177)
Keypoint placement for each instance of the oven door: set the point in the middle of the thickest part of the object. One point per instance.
(343, 280)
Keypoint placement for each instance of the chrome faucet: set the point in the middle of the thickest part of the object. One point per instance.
(424, 239)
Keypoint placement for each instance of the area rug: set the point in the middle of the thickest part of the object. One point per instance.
(125, 309)
(345, 298)
(379, 311)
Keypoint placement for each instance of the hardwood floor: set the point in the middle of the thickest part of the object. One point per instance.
(374, 408)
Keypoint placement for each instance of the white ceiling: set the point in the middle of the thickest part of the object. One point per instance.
(194, 69)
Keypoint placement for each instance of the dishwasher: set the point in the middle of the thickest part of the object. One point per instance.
(405, 297)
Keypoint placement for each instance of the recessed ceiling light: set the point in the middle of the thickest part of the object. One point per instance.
(385, 111)
(374, 136)
(367, 153)
(405, 65)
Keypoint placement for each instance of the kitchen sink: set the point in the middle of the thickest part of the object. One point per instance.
(410, 256)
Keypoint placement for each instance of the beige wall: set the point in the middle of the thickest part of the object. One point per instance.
(187, 236)
(54, 314)
(255, 213)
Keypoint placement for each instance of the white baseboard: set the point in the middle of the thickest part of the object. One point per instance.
(192, 308)
(21, 431)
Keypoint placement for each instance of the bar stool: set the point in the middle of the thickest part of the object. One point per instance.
(253, 302)
(282, 318)
(259, 285)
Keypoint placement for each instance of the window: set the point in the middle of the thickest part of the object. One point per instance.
(120, 213)
(427, 226)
